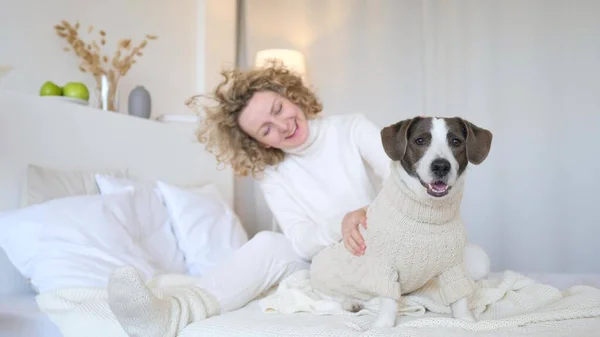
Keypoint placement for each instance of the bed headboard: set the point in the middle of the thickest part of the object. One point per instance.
(60, 135)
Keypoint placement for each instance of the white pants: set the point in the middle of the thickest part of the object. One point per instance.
(269, 257)
(258, 265)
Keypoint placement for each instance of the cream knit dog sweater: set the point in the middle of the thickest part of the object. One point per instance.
(409, 241)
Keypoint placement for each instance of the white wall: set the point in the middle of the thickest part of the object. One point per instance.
(528, 70)
(368, 51)
(168, 69)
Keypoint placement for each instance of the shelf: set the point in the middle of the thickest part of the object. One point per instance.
(178, 118)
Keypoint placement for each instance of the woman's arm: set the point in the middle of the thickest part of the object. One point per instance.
(307, 236)
(368, 140)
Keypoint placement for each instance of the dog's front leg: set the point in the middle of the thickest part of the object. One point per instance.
(387, 313)
(460, 310)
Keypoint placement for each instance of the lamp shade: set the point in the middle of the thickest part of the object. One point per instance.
(291, 59)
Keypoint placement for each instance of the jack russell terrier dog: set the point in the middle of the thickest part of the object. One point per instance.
(415, 229)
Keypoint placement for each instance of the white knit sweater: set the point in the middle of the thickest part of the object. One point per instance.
(409, 241)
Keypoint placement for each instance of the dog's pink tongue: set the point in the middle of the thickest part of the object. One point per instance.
(439, 186)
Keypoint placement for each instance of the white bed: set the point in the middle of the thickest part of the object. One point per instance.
(66, 136)
(251, 322)
(20, 317)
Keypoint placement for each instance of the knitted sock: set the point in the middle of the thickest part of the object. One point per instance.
(142, 313)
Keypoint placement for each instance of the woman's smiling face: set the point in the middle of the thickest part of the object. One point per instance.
(274, 121)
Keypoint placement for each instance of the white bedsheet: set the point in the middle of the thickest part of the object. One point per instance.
(251, 321)
(21, 317)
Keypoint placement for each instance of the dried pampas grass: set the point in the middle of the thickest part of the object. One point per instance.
(94, 62)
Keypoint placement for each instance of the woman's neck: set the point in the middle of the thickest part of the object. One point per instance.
(314, 134)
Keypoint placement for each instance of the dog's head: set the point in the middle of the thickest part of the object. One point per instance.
(435, 152)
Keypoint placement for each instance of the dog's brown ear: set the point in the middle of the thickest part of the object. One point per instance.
(394, 139)
(479, 142)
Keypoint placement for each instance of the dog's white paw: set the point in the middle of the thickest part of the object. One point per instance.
(387, 313)
(467, 318)
(460, 310)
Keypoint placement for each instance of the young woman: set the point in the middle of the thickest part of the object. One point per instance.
(318, 176)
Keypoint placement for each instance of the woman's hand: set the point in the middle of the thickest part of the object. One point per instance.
(353, 240)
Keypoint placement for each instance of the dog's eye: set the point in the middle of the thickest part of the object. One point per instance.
(419, 141)
(456, 142)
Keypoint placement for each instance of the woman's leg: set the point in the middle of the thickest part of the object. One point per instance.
(267, 259)
(180, 300)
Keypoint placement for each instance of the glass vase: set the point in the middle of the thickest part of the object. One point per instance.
(107, 93)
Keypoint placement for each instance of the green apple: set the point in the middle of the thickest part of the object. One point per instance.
(76, 90)
(50, 89)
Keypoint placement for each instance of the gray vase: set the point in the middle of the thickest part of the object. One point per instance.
(139, 103)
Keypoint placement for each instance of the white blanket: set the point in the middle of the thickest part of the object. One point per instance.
(511, 301)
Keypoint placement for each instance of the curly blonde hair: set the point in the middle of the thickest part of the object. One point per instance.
(219, 128)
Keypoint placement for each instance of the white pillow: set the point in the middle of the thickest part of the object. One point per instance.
(109, 184)
(160, 242)
(206, 228)
(78, 241)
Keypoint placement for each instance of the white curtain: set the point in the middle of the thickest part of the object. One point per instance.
(529, 70)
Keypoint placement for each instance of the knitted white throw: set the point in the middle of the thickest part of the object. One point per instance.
(410, 240)
(511, 301)
(131, 307)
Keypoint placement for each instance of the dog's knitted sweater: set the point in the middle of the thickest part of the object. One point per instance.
(409, 240)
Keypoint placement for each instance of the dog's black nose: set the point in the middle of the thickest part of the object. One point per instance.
(440, 167)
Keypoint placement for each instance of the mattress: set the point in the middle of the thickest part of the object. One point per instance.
(20, 317)
(251, 321)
